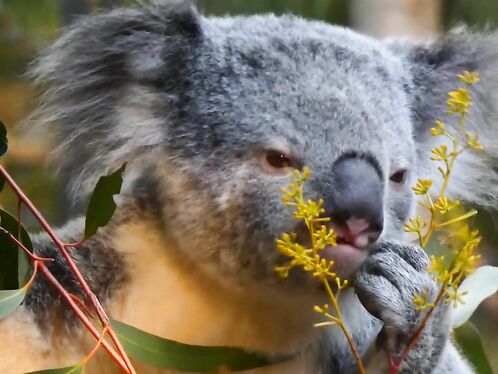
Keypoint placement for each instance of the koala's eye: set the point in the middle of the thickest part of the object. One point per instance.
(276, 162)
(399, 177)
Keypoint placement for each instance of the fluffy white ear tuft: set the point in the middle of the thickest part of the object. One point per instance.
(97, 71)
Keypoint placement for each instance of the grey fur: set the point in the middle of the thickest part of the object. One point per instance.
(193, 101)
(101, 266)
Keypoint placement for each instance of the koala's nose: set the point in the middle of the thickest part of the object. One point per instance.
(356, 199)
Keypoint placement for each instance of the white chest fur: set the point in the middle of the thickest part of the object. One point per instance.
(168, 297)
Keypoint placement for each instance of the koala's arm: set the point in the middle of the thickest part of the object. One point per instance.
(385, 285)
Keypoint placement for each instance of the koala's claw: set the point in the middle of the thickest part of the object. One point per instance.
(386, 284)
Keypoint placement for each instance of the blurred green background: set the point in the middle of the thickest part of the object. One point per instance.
(28, 25)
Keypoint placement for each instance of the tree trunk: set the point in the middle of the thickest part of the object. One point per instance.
(381, 18)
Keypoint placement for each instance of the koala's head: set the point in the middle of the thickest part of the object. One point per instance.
(218, 112)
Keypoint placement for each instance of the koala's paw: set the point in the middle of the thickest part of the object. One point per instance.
(386, 284)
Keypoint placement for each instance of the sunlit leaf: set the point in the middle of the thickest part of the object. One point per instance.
(10, 300)
(168, 354)
(474, 289)
(15, 266)
(102, 206)
(469, 341)
(3, 140)
(78, 369)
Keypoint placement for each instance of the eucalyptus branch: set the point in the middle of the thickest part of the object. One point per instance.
(309, 259)
(123, 360)
(450, 277)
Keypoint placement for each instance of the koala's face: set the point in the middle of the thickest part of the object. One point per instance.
(222, 109)
(264, 95)
(218, 111)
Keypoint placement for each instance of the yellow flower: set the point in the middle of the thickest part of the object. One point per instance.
(440, 153)
(294, 194)
(422, 186)
(421, 301)
(437, 265)
(321, 309)
(454, 297)
(283, 271)
(320, 235)
(439, 129)
(324, 237)
(473, 141)
(309, 210)
(444, 204)
(322, 268)
(466, 263)
(459, 101)
(459, 235)
(469, 77)
(415, 225)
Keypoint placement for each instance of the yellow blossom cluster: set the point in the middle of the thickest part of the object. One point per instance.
(307, 256)
(320, 235)
(447, 215)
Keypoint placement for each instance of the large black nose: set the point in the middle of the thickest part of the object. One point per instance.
(356, 194)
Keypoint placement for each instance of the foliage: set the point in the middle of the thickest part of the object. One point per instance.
(474, 289)
(14, 268)
(102, 206)
(469, 340)
(168, 354)
(3, 139)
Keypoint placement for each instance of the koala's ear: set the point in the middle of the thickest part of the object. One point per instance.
(107, 78)
(434, 68)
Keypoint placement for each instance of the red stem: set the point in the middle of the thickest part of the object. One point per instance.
(74, 245)
(23, 247)
(396, 363)
(72, 266)
(81, 304)
(393, 366)
(81, 315)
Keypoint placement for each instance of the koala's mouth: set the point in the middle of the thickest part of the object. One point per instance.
(347, 258)
(349, 253)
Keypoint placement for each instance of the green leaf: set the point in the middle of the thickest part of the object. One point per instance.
(102, 206)
(3, 139)
(478, 286)
(469, 340)
(77, 369)
(10, 300)
(168, 354)
(15, 266)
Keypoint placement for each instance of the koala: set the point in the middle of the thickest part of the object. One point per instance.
(212, 114)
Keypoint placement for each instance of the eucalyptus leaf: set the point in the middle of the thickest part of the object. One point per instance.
(4, 143)
(15, 266)
(478, 286)
(469, 341)
(77, 369)
(10, 300)
(102, 206)
(168, 354)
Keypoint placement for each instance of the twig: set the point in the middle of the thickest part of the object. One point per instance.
(104, 319)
